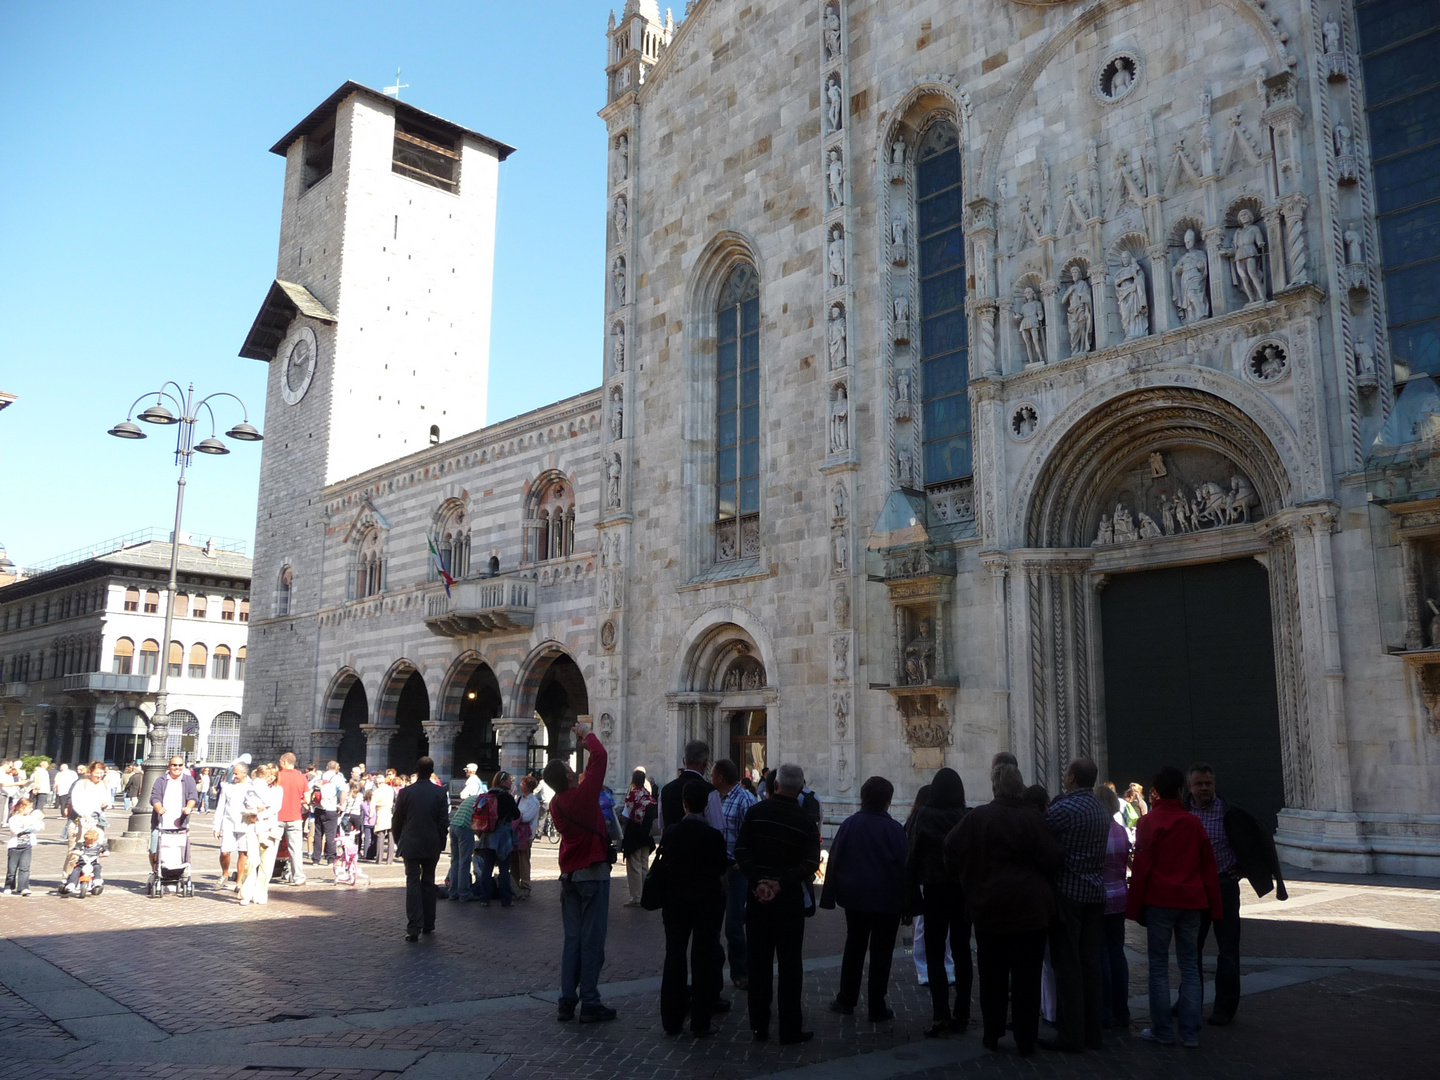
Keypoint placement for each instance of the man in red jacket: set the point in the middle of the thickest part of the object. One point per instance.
(584, 879)
(1173, 881)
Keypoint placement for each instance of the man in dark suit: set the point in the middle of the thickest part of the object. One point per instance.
(695, 862)
(421, 823)
(778, 850)
(697, 769)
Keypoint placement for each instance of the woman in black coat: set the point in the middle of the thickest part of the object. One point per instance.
(938, 896)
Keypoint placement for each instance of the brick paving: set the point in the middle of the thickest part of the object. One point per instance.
(302, 979)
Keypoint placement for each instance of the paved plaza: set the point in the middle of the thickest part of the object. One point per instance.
(1344, 977)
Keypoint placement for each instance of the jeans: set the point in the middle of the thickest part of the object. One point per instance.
(420, 895)
(696, 931)
(367, 841)
(458, 885)
(917, 948)
(585, 915)
(1114, 972)
(775, 933)
(1076, 942)
(295, 845)
(943, 904)
(736, 889)
(1227, 947)
(1184, 925)
(1009, 967)
(873, 932)
(17, 868)
(487, 864)
(325, 823)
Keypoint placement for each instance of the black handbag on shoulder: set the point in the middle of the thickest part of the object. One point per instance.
(652, 894)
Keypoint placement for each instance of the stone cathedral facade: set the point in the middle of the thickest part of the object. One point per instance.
(1005, 375)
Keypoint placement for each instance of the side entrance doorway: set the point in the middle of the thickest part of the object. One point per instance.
(1190, 677)
(747, 741)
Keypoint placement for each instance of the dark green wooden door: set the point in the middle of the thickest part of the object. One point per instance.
(1190, 676)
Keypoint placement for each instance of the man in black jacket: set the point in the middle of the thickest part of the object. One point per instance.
(421, 823)
(1243, 849)
(778, 850)
(696, 768)
(694, 859)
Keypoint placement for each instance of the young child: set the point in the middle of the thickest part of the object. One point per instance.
(87, 861)
(25, 821)
(347, 852)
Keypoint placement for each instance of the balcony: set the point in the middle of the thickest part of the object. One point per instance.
(14, 690)
(103, 682)
(482, 606)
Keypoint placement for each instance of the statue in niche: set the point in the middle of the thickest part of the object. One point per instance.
(841, 651)
(1269, 364)
(840, 421)
(1434, 623)
(920, 655)
(901, 304)
(1354, 246)
(842, 712)
(897, 240)
(1079, 304)
(835, 257)
(617, 412)
(622, 157)
(605, 602)
(1344, 144)
(1124, 526)
(902, 392)
(1157, 464)
(834, 100)
(612, 481)
(835, 176)
(842, 606)
(1247, 269)
(905, 468)
(838, 501)
(840, 545)
(1330, 31)
(897, 161)
(832, 32)
(1024, 422)
(1364, 360)
(1121, 80)
(617, 275)
(1105, 535)
(1148, 529)
(622, 217)
(1031, 318)
(1190, 281)
(837, 336)
(617, 347)
(1130, 293)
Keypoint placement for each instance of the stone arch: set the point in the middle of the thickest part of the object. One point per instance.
(552, 687)
(708, 647)
(335, 695)
(470, 697)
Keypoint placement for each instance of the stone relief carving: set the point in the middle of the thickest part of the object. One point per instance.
(927, 725)
(621, 217)
(1333, 64)
(840, 549)
(607, 634)
(607, 725)
(1213, 506)
(835, 177)
(834, 102)
(836, 334)
(726, 541)
(1079, 303)
(832, 31)
(903, 394)
(919, 662)
(1148, 529)
(897, 162)
(835, 255)
(1031, 319)
(617, 278)
(1025, 421)
(839, 419)
(1190, 282)
(1130, 294)
(1247, 267)
(904, 468)
(841, 606)
(842, 713)
(1117, 76)
(622, 157)
(1365, 372)
(1330, 33)
(612, 480)
(900, 307)
(1354, 245)
(617, 412)
(617, 347)
(839, 501)
(840, 654)
(954, 504)
(1268, 363)
(898, 249)
(749, 538)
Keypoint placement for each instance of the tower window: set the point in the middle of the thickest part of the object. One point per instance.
(434, 434)
(426, 154)
(319, 154)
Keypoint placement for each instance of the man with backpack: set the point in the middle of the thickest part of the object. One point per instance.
(458, 884)
(326, 811)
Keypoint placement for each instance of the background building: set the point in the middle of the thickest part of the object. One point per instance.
(80, 652)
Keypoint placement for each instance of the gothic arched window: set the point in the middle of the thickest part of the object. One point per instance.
(552, 522)
(282, 591)
(452, 542)
(944, 337)
(369, 565)
(737, 415)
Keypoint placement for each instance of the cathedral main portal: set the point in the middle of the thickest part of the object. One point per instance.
(1190, 677)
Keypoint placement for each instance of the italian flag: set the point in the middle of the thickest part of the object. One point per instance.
(440, 566)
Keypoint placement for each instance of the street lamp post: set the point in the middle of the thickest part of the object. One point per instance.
(185, 445)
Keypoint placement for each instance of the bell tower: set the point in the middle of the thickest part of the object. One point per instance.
(636, 43)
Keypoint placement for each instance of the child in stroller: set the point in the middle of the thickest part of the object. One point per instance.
(172, 864)
(347, 852)
(85, 878)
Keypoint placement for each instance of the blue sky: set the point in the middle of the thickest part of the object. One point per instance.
(139, 218)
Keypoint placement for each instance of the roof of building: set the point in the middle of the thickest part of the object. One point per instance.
(282, 303)
(6, 399)
(402, 110)
(151, 555)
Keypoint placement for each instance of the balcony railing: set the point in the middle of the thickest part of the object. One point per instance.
(482, 606)
(96, 682)
(14, 690)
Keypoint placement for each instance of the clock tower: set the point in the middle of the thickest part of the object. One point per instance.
(377, 332)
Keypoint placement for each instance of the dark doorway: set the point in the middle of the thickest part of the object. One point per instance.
(354, 712)
(747, 741)
(479, 705)
(559, 700)
(409, 744)
(1190, 676)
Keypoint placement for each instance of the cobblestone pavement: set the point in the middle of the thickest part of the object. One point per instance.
(319, 983)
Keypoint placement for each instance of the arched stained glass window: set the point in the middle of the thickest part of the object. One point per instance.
(737, 411)
(944, 340)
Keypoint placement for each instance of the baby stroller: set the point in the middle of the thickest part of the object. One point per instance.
(173, 861)
(85, 878)
(347, 853)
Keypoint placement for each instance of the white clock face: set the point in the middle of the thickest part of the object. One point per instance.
(299, 354)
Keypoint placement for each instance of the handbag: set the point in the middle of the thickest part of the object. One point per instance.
(653, 892)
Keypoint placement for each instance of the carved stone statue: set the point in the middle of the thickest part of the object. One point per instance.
(617, 347)
(1167, 515)
(1079, 311)
(835, 176)
(842, 606)
(1190, 280)
(1211, 504)
(840, 547)
(617, 412)
(1148, 529)
(832, 32)
(897, 161)
(1181, 509)
(617, 275)
(837, 336)
(612, 481)
(905, 468)
(1248, 267)
(834, 100)
(1330, 31)
(835, 257)
(1124, 526)
(902, 386)
(842, 713)
(920, 655)
(1130, 293)
(1121, 80)
(622, 157)
(898, 250)
(1241, 499)
(1344, 144)
(840, 421)
(1105, 535)
(840, 647)
(1354, 245)
(901, 304)
(1270, 364)
(1031, 318)
(839, 501)
(622, 217)
(1364, 360)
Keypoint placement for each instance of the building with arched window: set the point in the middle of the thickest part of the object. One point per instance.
(1034, 380)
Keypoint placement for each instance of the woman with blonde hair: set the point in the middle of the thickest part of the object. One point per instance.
(263, 830)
